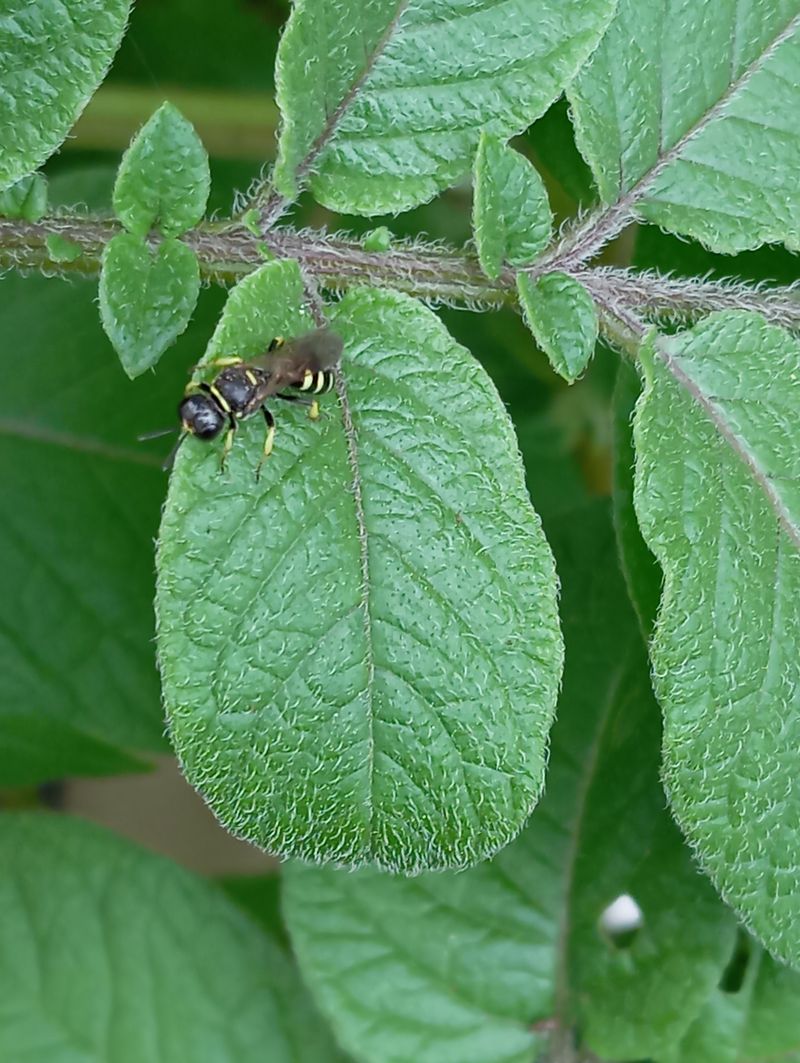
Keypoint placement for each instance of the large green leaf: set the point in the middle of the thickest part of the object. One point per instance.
(147, 297)
(110, 954)
(510, 213)
(688, 112)
(477, 967)
(383, 102)
(718, 469)
(52, 58)
(360, 652)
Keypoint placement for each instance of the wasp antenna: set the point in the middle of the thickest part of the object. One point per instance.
(159, 432)
(170, 458)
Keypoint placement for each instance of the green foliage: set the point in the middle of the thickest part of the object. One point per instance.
(725, 530)
(146, 297)
(385, 691)
(60, 249)
(360, 636)
(163, 178)
(383, 103)
(510, 212)
(52, 58)
(486, 957)
(138, 928)
(26, 199)
(679, 102)
(562, 317)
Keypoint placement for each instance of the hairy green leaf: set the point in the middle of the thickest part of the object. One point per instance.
(563, 319)
(26, 199)
(52, 58)
(718, 468)
(146, 298)
(688, 112)
(360, 652)
(383, 102)
(510, 213)
(642, 574)
(480, 966)
(108, 952)
(163, 178)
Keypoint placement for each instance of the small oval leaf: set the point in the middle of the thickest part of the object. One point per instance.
(164, 177)
(360, 653)
(146, 298)
(511, 214)
(109, 952)
(562, 316)
(52, 58)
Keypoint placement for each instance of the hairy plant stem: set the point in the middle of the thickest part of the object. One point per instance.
(227, 251)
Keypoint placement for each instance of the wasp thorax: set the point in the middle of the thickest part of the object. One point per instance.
(201, 416)
(237, 386)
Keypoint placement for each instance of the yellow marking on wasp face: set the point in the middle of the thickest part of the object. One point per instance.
(313, 410)
(251, 376)
(220, 399)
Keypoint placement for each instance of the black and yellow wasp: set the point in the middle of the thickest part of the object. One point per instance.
(305, 365)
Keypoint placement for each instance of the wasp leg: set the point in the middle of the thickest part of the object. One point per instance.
(220, 362)
(269, 420)
(313, 405)
(228, 442)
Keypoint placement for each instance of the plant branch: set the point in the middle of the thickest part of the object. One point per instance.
(591, 233)
(227, 251)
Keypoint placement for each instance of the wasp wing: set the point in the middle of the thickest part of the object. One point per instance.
(287, 365)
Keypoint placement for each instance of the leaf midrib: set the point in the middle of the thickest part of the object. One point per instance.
(328, 131)
(591, 760)
(716, 415)
(609, 222)
(351, 439)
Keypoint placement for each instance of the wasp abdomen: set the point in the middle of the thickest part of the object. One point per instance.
(318, 382)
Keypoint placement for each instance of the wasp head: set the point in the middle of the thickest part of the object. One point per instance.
(201, 416)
